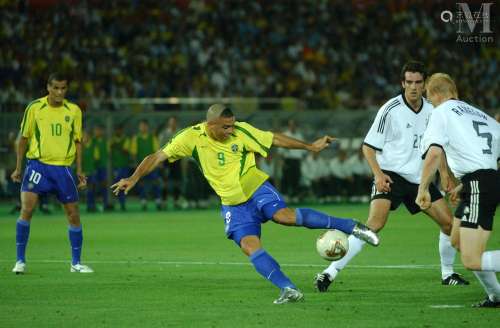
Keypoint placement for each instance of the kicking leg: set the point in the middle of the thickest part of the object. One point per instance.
(379, 212)
(313, 219)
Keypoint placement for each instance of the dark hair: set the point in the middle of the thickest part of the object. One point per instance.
(57, 76)
(227, 112)
(414, 67)
(144, 121)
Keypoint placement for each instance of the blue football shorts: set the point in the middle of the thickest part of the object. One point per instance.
(245, 219)
(42, 179)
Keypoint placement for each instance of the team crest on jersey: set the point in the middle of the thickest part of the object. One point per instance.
(66, 118)
(234, 148)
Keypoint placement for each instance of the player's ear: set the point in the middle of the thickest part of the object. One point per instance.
(403, 84)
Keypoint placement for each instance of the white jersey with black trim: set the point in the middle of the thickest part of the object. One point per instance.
(469, 137)
(396, 134)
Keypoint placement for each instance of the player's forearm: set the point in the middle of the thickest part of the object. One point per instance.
(371, 158)
(148, 164)
(284, 141)
(21, 151)
(431, 163)
(443, 167)
(78, 146)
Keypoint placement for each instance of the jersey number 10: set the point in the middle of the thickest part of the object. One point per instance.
(56, 129)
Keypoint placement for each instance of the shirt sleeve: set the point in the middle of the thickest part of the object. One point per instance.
(376, 136)
(156, 144)
(436, 132)
(133, 145)
(28, 123)
(255, 140)
(77, 137)
(180, 146)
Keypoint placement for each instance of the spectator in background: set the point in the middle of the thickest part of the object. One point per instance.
(269, 53)
(171, 174)
(341, 176)
(90, 154)
(101, 165)
(268, 166)
(120, 160)
(290, 179)
(315, 172)
(361, 175)
(141, 145)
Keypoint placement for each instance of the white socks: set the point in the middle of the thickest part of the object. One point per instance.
(447, 254)
(490, 261)
(355, 246)
(490, 283)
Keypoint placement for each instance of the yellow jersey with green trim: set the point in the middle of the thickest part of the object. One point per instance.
(229, 166)
(52, 131)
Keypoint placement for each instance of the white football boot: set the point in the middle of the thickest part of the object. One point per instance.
(19, 268)
(81, 268)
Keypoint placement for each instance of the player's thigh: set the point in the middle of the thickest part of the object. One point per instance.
(440, 213)
(28, 204)
(472, 245)
(379, 212)
(250, 244)
(72, 213)
(455, 233)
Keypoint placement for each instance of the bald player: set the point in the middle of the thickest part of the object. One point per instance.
(225, 152)
(469, 139)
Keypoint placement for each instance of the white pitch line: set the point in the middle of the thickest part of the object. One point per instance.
(446, 306)
(399, 266)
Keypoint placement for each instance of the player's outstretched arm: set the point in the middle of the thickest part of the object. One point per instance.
(281, 140)
(148, 164)
(20, 151)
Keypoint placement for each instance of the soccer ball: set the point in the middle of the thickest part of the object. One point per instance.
(332, 245)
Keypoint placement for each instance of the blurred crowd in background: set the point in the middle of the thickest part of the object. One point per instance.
(331, 54)
(326, 54)
(337, 176)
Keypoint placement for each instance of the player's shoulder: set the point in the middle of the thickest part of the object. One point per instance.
(426, 103)
(71, 106)
(392, 103)
(36, 103)
(191, 132)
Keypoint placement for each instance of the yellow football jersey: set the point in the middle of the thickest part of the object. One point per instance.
(229, 166)
(52, 131)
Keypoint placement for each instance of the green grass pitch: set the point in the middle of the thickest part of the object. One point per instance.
(177, 269)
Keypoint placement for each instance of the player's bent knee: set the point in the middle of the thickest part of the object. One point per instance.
(471, 262)
(455, 242)
(250, 244)
(446, 228)
(285, 216)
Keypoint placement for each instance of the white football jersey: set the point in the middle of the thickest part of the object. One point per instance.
(468, 136)
(396, 134)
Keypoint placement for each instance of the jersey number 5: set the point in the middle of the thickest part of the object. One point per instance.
(485, 135)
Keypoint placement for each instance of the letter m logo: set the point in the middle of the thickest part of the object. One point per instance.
(473, 18)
